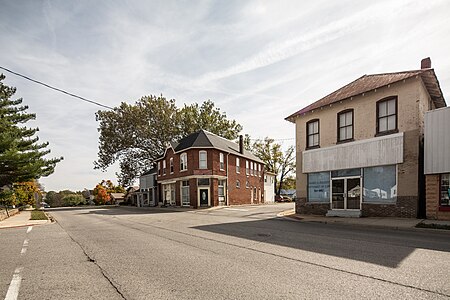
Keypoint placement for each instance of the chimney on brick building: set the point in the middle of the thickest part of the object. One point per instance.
(425, 63)
(241, 144)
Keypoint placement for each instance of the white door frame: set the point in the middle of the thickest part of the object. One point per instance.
(345, 192)
(198, 194)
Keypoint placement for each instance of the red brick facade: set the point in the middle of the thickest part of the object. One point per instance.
(434, 212)
(249, 191)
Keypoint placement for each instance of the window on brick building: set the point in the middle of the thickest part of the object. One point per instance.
(203, 160)
(445, 190)
(238, 166)
(238, 184)
(387, 116)
(222, 161)
(345, 125)
(312, 134)
(246, 167)
(183, 162)
(185, 193)
(171, 165)
(164, 167)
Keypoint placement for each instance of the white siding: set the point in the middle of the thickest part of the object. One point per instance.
(437, 141)
(384, 150)
(269, 189)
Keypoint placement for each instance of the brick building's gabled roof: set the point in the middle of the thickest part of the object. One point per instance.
(368, 83)
(205, 139)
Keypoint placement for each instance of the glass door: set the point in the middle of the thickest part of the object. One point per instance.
(346, 193)
(353, 193)
(337, 193)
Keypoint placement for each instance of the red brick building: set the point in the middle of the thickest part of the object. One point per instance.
(204, 169)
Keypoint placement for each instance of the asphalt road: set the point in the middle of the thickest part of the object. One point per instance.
(228, 253)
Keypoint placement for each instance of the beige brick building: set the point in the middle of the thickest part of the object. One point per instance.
(360, 149)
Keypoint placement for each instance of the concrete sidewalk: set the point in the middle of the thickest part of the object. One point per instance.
(21, 219)
(386, 222)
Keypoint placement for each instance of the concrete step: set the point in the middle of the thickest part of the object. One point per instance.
(344, 213)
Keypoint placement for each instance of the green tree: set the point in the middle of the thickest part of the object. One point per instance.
(25, 193)
(276, 161)
(22, 158)
(73, 200)
(134, 135)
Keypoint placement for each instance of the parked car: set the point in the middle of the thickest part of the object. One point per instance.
(44, 205)
(279, 198)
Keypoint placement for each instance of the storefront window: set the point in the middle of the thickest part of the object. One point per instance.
(185, 193)
(445, 190)
(346, 173)
(319, 187)
(380, 184)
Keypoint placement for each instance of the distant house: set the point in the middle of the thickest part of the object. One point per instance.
(203, 170)
(147, 192)
(131, 195)
(117, 198)
(437, 163)
(360, 148)
(269, 187)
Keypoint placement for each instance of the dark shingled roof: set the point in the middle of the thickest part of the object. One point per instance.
(205, 139)
(151, 171)
(368, 83)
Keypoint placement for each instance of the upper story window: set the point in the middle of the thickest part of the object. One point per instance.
(259, 170)
(246, 167)
(345, 125)
(387, 115)
(164, 167)
(171, 165)
(238, 166)
(202, 160)
(159, 168)
(222, 161)
(252, 172)
(183, 161)
(312, 134)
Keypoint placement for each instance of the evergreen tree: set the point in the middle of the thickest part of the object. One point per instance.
(22, 158)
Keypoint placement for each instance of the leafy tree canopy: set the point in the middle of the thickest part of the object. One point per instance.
(22, 158)
(136, 134)
(277, 161)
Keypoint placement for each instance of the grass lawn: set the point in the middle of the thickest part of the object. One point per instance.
(38, 215)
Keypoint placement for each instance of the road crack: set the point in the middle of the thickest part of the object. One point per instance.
(92, 260)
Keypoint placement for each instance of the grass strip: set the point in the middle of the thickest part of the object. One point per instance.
(433, 226)
(38, 215)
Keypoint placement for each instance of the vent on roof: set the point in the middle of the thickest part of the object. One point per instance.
(425, 63)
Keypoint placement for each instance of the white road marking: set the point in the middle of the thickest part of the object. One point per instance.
(29, 229)
(24, 247)
(14, 286)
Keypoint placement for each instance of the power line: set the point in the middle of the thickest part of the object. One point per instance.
(56, 89)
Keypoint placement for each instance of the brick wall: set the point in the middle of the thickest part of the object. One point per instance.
(405, 207)
(236, 196)
(432, 196)
(309, 208)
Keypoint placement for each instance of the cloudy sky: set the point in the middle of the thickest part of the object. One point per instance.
(259, 61)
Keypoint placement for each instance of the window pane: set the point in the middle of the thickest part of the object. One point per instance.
(382, 124)
(445, 189)
(310, 141)
(345, 173)
(380, 184)
(349, 132)
(349, 118)
(319, 187)
(203, 181)
(310, 128)
(315, 140)
(391, 122)
(382, 109)
(391, 107)
(342, 134)
(341, 120)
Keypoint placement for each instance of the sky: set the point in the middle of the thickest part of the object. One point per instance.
(259, 61)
